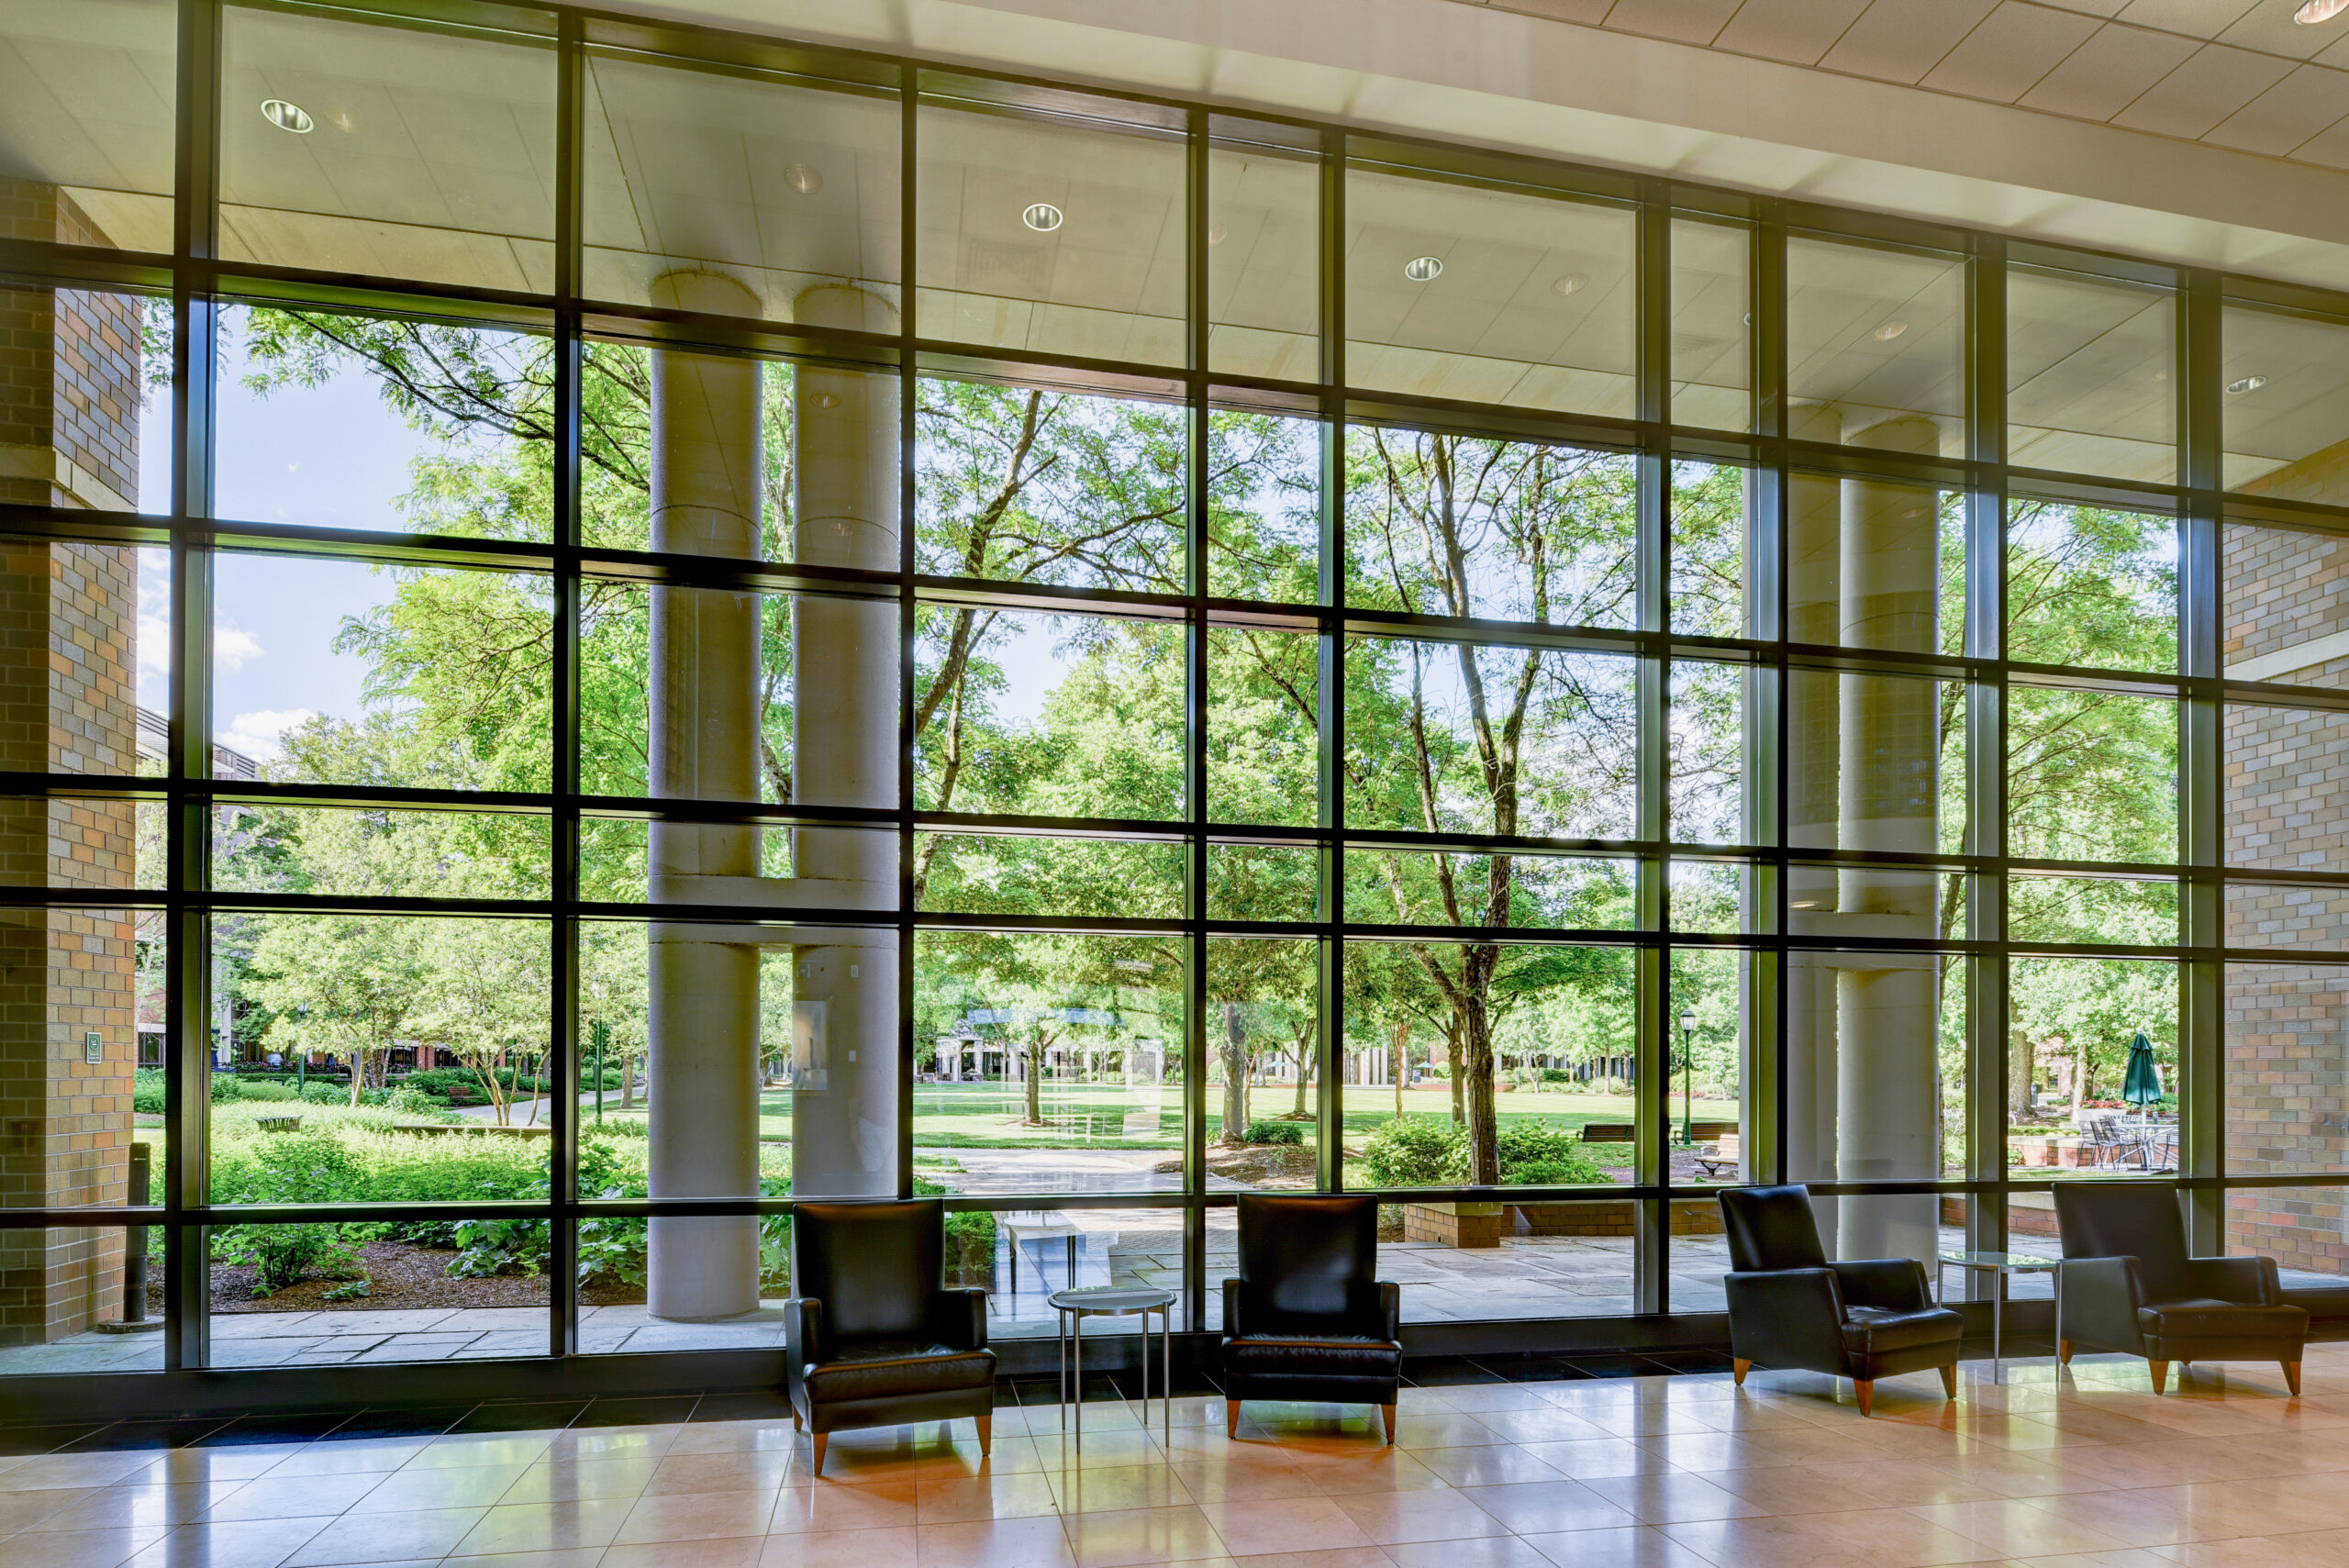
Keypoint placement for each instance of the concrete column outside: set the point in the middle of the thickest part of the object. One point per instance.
(702, 1071)
(845, 669)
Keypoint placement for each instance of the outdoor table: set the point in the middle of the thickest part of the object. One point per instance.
(1999, 1266)
(1118, 1301)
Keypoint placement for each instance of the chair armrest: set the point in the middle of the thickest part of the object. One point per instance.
(1390, 1308)
(1232, 1309)
(802, 1332)
(962, 1317)
(2252, 1280)
(1897, 1285)
(1786, 1317)
(2101, 1297)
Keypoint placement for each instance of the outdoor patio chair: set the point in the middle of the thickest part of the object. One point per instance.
(1789, 1306)
(870, 1338)
(1308, 1318)
(2126, 1284)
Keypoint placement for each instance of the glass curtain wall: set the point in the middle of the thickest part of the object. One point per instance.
(614, 631)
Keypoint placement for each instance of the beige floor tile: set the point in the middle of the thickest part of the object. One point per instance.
(1540, 1507)
(272, 1498)
(545, 1527)
(1866, 1538)
(49, 1472)
(22, 1510)
(584, 1443)
(735, 1552)
(1288, 1524)
(1591, 1459)
(1491, 1465)
(993, 1543)
(1545, 1424)
(387, 1537)
(2017, 1528)
(697, 1515)
(571, 1557)
(1243, 1479)
(963, 1500)
(837, 1506)
(1484, 1552)
(134, 1504)
(241, 1463)
(449, 1487)
(1116, 1491)
(468, 1450)
(1388, 1470)
(837, 1548)
(570, 1480)
(1635, 1545)
(1435, 1430)
(1389, 1518)
(79, 1548)
(1118, 1537)
(2317, 1549)
(347, 1458)
(1677, 1497)
(730, 1437)
(748, 1470)
(256, 1543)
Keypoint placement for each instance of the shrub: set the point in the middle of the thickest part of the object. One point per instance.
(147, 1092)
(280, 1255)
(1541, 1174)
(1272, 1132)
(1521, 1147)
(490, 1247)
(1416, 1151)
(227, 1088)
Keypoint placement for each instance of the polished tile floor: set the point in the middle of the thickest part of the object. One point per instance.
(2089, 1470)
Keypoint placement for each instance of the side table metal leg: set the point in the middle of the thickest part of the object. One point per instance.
(1166, 1372)
(1076, 1340)
(1062, 1329)
(1997, 1319)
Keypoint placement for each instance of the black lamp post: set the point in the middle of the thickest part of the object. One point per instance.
(1688, 1073)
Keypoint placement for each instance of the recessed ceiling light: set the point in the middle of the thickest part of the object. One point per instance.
(1888, 331)
(1043, 217)
(286, 116)
(1806, 904)
(1420, 269)
(2248, 383)
(2316, 11)
(1216, 236)
(803, 179)
(1573, 283)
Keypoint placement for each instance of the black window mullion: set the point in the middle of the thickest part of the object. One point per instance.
(2201, 763)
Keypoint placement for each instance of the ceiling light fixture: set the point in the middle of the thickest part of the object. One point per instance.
(2248, 383)
(1888, 331)
(1216, 236)
(2316, 11)
(286, 116)
(1573, 283)
(803, 179)
(1043, 217)
(1422, 269)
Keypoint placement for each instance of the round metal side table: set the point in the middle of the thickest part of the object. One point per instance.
(1999, 1266)
(1117, 1301)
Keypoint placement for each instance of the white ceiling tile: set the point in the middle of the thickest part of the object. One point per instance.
(2268, 27)
(2006, 56)
(2330, 147)
(1589, 12)
(2090, 7)
(2213, 84)
(2287, 114)
(2108, 72)
(1798, 30)
(2203, 19)
(1687, 21)
(2336, 49)
(1899, 40)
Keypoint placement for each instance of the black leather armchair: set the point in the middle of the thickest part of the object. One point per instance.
(1789, 1306)
(1308, 1318)
(2127, 1284)
(870, 1338)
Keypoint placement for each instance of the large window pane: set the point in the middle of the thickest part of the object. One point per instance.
(2286, 405)
(2090, 376)
(96, 1271)
(1874, 762)
(2287, 794)
(2305, 1229)
(1488, 296)
(2091, 775)
(2286, 617)
(1872, 563)
(1708, 550)
(2071, 1022)
(1707, 1087)
(86, 95)
(323, 1295)
(1874, 347)
(2087, 585)
(1263, 485)
(2288, 1071)
(406, 151)
(1712, 326)
(1707, 749)
(789, 193)
(1050, 236)
(85, 405)
(1264, 262)
(1263, 706)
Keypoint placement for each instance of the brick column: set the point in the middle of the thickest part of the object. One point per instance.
(69, 365)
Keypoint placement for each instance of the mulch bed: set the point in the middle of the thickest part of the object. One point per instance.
(398, 1275)
(1279, 1165)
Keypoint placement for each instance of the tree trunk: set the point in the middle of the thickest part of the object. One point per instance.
(628, 1081)
(1035, 1076)
(1475, 1073)
(2079, 1071)
(2020, 1067)
(1402, 1062)
(1235, 1076)
(1305, 1055)
(1452, 1054)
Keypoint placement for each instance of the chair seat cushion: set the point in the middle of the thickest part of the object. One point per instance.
(1340, 1356)
(882, 1369)
(2323, 1303)
(2202, 1318)
(1872, 1330)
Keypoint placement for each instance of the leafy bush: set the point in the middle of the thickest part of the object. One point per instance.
(280, 1255)
(226, 1088)
(491, 1246)
(1522, 1147)
(1429, 1152)
(147, 1092)
(1541, 1174)
(1265, 1131)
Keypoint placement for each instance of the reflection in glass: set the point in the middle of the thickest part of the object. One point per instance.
(2286, 405)
(2089, 376)
(2284, 1102)
(1103, 277)
(2087, 585)
(1712, 326)
(2285, 616)
(1528, 302)
(1874, 762)
(86, 95)
(789, 191)
(2129, 911)
(1874, 564)
(1264, 262)
(2091, 776)
(1874, 347)
(430, 152)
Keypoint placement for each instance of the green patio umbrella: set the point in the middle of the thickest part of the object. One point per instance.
(2144, 1084)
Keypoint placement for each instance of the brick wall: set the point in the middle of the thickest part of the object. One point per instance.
(69, 437)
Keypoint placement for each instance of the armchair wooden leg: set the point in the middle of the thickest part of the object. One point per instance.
(986, 1436)
(2063, 1353)
(2161, 1374)
(795, 1417)
(1231, 1417)
(1864, 1387)
(1737, 1368)
(2292, 1377)
(1949, 1380)
(820, 1440)
(1388, 1411)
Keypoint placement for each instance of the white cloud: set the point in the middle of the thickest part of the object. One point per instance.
(231, 648)
(257, 734)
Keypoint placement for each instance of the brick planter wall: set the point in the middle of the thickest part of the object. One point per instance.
(1489, 1224)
